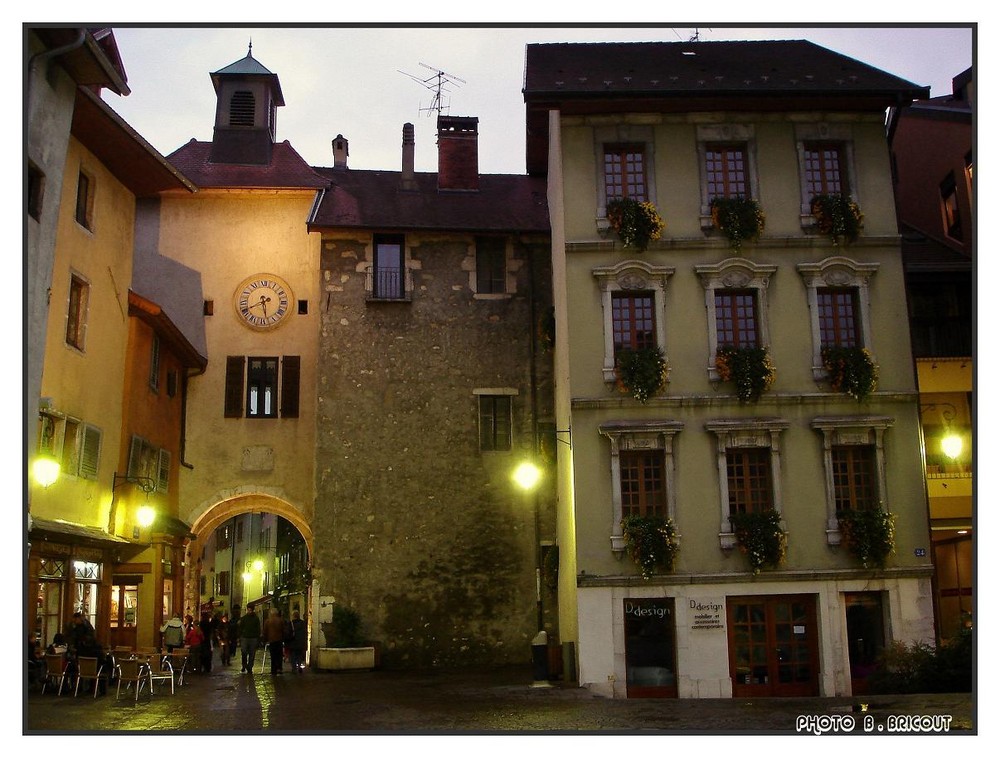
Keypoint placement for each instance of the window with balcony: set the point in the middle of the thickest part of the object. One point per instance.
(389, 268)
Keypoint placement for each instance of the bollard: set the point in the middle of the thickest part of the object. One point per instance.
(540, 659)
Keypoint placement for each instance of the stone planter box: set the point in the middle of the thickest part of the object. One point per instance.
(345, 658)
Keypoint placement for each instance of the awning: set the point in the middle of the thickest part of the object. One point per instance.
(56, 530)
(171, 525)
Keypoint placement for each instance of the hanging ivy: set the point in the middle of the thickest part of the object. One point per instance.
(641, 373)
(651, 542)
(760, 538)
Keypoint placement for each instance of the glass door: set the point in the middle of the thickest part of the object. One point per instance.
(650, 649)
(124, 612)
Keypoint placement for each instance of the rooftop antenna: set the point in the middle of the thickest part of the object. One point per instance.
(696, 37)
(438, 83)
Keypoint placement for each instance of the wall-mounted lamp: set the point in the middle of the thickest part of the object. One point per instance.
(146, 516)
(527, 475)
(45, 470)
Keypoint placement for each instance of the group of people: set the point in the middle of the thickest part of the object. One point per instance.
(79, 640)
(281, 638)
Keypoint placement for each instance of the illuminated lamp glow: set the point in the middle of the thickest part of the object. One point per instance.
(45, 470)
(527, 475)
(951, 446)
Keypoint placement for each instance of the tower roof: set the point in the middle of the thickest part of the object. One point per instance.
(249, 67)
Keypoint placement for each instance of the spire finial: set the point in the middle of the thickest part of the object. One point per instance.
(250, 49)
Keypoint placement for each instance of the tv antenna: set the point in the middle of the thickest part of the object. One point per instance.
(696, 37)
(439, 83)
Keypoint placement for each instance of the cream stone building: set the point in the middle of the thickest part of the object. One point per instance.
(677, 125)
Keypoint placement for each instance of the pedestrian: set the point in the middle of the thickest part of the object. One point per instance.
(207, 634)
(274, 636)
(231, 630)
(193, 640)
(222, 637)
(249, 632)
(173, 633)
(299, 633)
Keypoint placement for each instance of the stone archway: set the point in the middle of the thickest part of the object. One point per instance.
(234, 503)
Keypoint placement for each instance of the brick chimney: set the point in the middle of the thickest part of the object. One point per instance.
(408, 181)
(340, 151)
(458, 153)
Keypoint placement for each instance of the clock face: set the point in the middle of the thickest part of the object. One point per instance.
(262, 301)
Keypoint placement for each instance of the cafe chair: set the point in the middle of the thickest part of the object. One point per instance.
(55, 670)
(132, 671)
(87, 668)
(160, 670)
(179, 662)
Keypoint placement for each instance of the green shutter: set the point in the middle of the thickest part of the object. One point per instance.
(235, 368)
(290, 370)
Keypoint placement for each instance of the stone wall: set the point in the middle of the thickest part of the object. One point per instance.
(416, 528)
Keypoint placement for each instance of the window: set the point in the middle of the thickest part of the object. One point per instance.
(241, 108)
(253, 387)
(76, 316)
(823, 172)
(624, 172)
(163, 470)
(949, 207)
(223, 588)
(154, 364)
(854, 477)
(643, 485)
(495, 424)
(837, 310)
(748, 476)
(749, 466)
(726, 171)
(854, 465)
(491, 266)
(633, 293)
(36, 191)
(240, 529)
(150, 464)
(262, 388)
(388, 268)
(633, 322)
(171, 383)
(77, 445)
(826, 164)
(736, 318)
(837, 291)
(642, 471)
(224, 537)
(736, 304)
(84, 201)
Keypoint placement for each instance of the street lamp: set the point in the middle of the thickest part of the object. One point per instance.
(45, 470)
(527, 476)
(146, 515)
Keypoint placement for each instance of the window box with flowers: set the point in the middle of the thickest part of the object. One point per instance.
(851, 370)
(651, 542)
(838, 217)
(635, 222)
(641, 373)
(739, 218)
(760, 538)
(750, 368)
(869, 534)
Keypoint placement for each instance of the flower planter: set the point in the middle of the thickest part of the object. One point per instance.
(739, 218)
(345, 658)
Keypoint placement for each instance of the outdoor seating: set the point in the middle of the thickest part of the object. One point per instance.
(160, 669)
(131, 671)
(89, 669)
(55, 670)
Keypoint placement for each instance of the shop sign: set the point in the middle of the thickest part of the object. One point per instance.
(706, 613)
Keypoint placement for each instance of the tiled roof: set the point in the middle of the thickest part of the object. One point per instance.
(678, 68)
(287, 169)
(373, 200)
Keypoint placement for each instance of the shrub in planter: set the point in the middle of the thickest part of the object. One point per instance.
(838, 217)
(869, 534)
(851, 370)
(346, 628)
(920, 667)
(749, 367)
(641, 372)
(636, 223)
(651, 542)
(760, 538)
(739, 218)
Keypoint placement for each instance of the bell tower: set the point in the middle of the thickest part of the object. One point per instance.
(247, 99)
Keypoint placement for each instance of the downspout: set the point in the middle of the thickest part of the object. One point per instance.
(47, 55)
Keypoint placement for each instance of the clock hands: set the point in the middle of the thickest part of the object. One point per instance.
(262, 303)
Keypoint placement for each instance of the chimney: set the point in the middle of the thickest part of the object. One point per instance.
(340, 151)
(408, 181)
(458, 153)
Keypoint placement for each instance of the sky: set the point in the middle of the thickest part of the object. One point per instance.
(365, 82)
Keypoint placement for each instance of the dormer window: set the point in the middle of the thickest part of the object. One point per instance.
(241, 108)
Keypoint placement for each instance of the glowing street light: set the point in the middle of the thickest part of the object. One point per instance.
(527, 475)
(45, 470)
(146, 515)
(951, 446)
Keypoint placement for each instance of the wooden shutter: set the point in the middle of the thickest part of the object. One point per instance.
(90, 452)
(163, 471)
(135, 458)
(290, 386)
(235, 371)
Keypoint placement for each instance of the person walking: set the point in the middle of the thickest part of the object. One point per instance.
(208, 637)
(274, 636)
(298, 646)
(231, 632)
(173, 633)
(249, 633)
(194, 639)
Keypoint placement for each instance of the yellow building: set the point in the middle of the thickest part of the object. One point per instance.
(787, 459)
(253, 411)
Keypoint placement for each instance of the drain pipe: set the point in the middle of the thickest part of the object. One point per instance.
(47, 55)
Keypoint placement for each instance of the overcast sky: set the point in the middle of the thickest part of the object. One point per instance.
(366, 82)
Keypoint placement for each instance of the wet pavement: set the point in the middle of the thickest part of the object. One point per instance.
(470, 702)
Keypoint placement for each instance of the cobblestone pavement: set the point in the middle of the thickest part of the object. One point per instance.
(493, 701)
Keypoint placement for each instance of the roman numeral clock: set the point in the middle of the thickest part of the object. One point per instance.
(262, 301)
